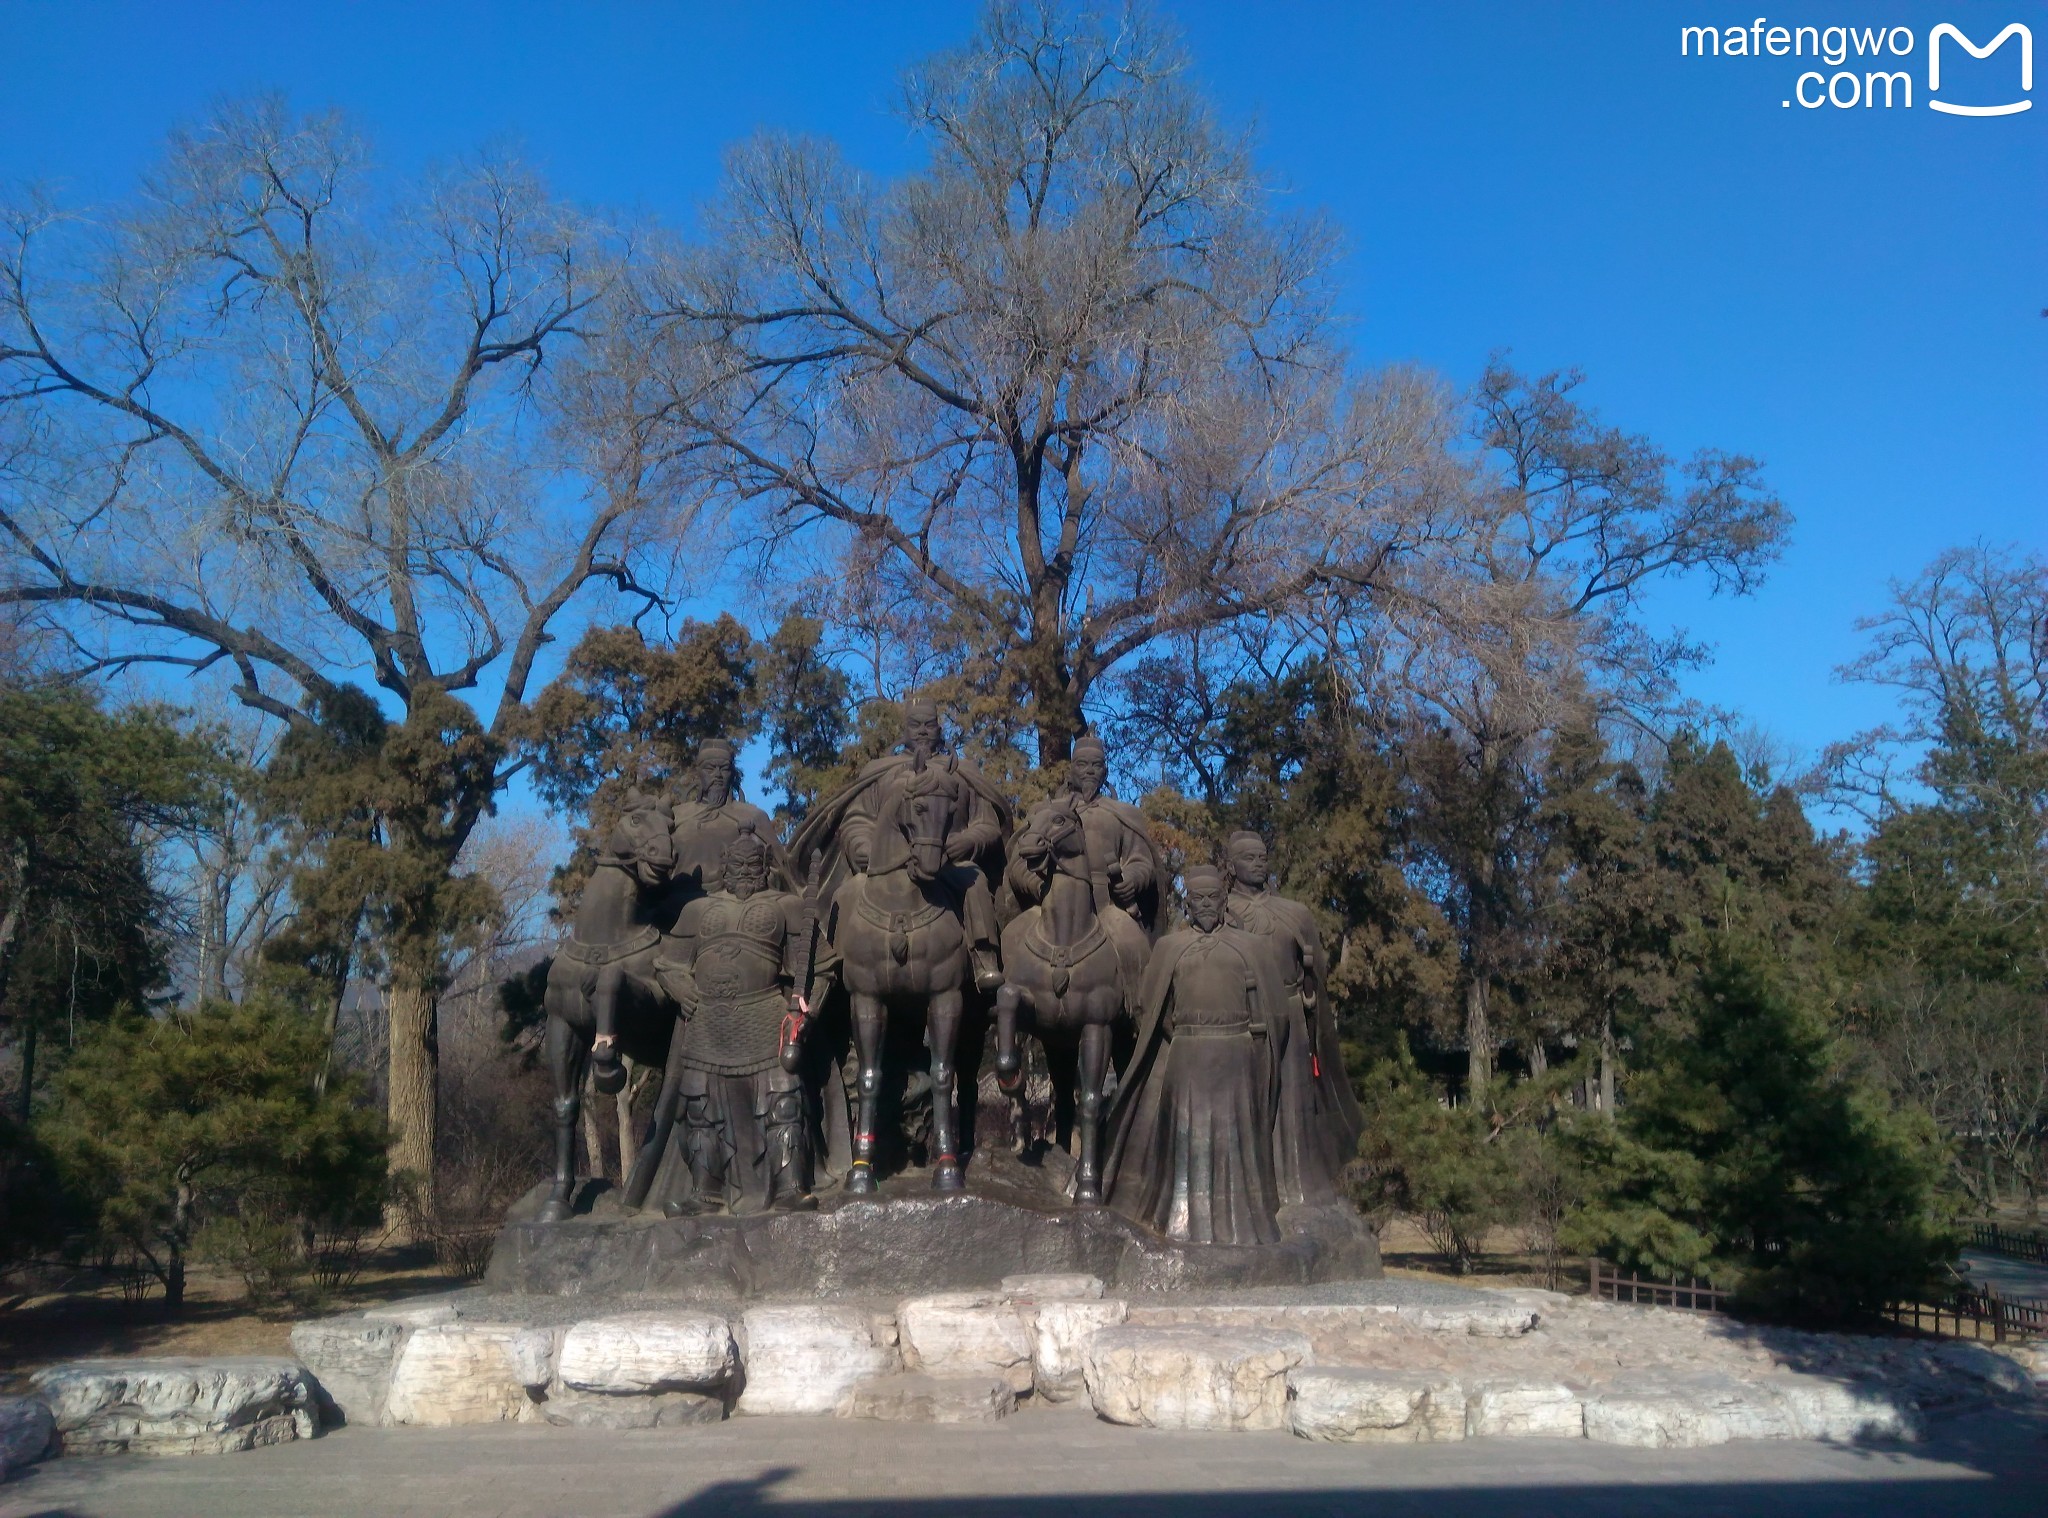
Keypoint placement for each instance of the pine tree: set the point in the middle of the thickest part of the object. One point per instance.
(1746, 1153)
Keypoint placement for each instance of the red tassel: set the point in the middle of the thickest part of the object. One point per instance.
(1315, 1067)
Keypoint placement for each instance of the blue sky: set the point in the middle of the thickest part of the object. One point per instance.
(1854, 295)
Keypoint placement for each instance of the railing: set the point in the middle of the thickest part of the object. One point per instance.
(2020, 1243)
(1969, 1313)
(1610, 1285)
(1963, 1314)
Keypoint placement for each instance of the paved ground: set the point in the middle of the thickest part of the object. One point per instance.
(1052, 1463)
(2017, 1279)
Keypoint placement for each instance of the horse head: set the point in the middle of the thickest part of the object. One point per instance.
(924, 817)
(641, 842)
(1054, 837)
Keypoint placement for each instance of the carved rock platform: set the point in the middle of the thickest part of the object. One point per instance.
(904, 1241)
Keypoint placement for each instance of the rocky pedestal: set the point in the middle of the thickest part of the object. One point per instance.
(901, 1244)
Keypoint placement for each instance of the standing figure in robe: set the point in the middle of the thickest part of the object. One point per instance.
(1316, 1121)
(1191, 1147)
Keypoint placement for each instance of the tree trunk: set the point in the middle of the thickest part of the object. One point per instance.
(28, 1067)
(593, 1131)
(1478, 1037)
(414, 1068)
(174, 1280)
(1539, 1057)
(629, 1144)
(1607, 1067)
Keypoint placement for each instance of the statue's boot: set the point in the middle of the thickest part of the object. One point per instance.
(788, 1152)
(988, 973)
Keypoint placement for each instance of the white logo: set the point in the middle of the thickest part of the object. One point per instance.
(1947, 29)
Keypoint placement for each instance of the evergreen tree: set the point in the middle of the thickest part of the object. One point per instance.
(84, 796)
(211, 1118)
(1745, 1153)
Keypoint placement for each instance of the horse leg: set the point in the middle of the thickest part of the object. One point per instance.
(869, 1024)
(1092, 1068)
(1009, 1063)
(566, 1054)
(942, 1032)
(605, 1063)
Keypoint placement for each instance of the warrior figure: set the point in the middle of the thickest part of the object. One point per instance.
(1316, 1121)
(1084, 871)
(731, 1130)
(981, 821)
(1190, 1152)
(1123, 869)
(710, 813)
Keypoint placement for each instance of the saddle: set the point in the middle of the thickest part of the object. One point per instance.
(598, 954)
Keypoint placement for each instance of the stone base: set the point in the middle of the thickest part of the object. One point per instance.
(903, 1241)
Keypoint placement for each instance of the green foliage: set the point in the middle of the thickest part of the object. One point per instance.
(1460, 1171)
(1744, 1153)
(84, 795)
(808, 702)
(204, 1130)
(383, 809)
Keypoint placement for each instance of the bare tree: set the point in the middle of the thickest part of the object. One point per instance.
(1071, 386)
(296, 422)
(1525, 619)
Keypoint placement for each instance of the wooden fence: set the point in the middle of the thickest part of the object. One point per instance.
(1611, 1285)
(2020, 1243)
(1973, 1315)
(1963, 1314)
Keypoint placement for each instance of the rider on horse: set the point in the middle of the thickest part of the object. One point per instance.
(981, 821)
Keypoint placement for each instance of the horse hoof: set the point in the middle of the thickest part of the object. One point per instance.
(609, 1075)
(946, 1176)
(554, 1211)
(861, 1182)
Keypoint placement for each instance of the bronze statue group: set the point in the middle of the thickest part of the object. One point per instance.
(1199, 1066)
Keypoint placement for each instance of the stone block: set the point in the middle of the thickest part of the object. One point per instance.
(352, 1359)
(572, 1409)
(1992, 1369)
(26, 1429)
(648, 1352)
(1361, 1405)
(1654, 1420)
(427, 1312)
(451, 1374)
(177, 1406)
(804, 1359)
(1053, 1288)
(1524, 1410)
(1192, 1378)
(915, 1397)
(1844, 1412)
(966, 1333)
(1060, 1331)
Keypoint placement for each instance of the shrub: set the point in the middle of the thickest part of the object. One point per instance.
(205, 1131)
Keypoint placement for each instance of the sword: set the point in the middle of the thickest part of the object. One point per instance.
(799, 1014)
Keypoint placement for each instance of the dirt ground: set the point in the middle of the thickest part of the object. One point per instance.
(217, 1318)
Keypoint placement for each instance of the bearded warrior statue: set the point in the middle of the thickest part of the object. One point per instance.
(710, 812)
(732, 1129)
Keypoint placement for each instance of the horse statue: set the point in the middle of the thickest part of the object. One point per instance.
(603, 999)
(1072, 968)
(898, 930)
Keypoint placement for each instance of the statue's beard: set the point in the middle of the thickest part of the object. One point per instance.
(742, 886)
